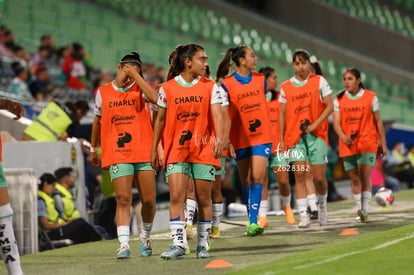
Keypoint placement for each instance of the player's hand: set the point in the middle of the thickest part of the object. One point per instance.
(347, 140)
(16, 108)
(93, 157)
(232, 153)
(154, 159)
(217, 149)
(310, 128)
(383, 150)
(160, 153)
(131, 71)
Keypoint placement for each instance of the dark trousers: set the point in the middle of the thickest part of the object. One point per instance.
(106, 217)
(78, 230)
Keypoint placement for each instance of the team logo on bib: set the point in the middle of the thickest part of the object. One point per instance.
(115, 169)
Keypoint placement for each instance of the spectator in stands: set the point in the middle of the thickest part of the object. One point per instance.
(399, 166)
(379, 178)
(107, 211)
(5, 51)
(56, 121)
(78, 230)
(410, 155)
(8, 247)
(63, 198)
(22, 56)
(74, 68)
(19, 85)
(40, 86)
(8, 40)
(41, 56)
(47, 41)
(104, 78)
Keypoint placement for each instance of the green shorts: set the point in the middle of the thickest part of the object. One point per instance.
(312, 147)
(2, 177)
(193, 170)
(351, 162)
(220, 172)
(278, 160)
(128, 169)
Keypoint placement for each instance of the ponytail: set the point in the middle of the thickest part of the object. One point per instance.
(232, 54)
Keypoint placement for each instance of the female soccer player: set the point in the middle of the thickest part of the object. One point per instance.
(123, 124)
(250, 132)
(306, 104)
(188, 118)
(8, 248)
(359, 126)
(278, 161)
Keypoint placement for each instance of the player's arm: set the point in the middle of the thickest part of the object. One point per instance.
(148, 90)
(12, 106)
(381, 132)
(158, 130)
(282, 123)
(338, 129)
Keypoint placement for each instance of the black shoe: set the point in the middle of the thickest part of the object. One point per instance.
(314, 215)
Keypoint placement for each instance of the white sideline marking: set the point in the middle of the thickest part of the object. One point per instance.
(356, 252)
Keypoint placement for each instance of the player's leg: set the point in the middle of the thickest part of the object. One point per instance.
(178, 175)
(145, 181)
(122, 177)
(191, 208)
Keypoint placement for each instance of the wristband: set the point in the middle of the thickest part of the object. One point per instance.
(93, 149)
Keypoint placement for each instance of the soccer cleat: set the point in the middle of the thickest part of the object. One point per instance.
(254, 230)
(314, 215)
(215, 232)
(124, 252)
(263, 221)
(174, 252)
(208, 246)
(290, 217)
(187, 248)
(363, 215)
(202, 252)
(145, 247)
(323, 216)
(304, 221)
(189, 229)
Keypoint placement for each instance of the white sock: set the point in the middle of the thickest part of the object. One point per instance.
(8, 246)
(312, 202)
(146, 230)
(178, 232)
(263, 208)
(217, 213)
(191, 208)
(366, 199)
(123, 235)
(322, 200)
(203, 229)
(357, 198)
(286, 200)
(302, 205)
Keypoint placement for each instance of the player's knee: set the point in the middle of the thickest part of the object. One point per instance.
(123, 201)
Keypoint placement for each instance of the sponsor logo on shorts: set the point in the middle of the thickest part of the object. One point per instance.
(170, 166)
(115, 169)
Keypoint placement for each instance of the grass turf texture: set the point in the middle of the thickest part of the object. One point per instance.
(283, 249)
